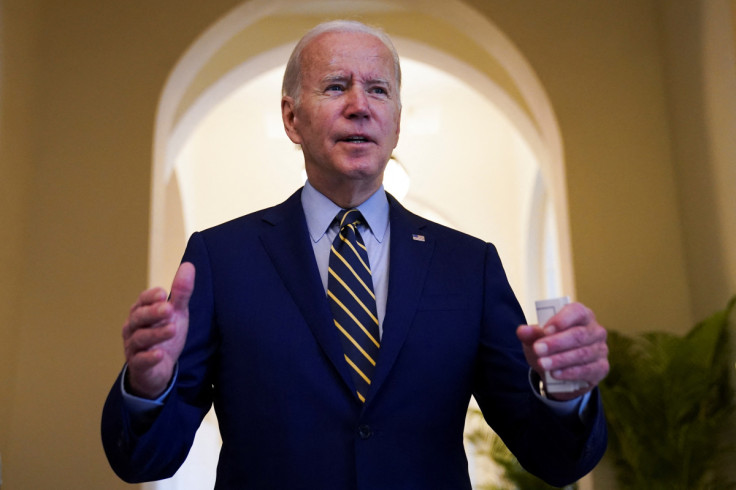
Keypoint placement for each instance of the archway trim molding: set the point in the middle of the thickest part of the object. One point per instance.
(524, 100)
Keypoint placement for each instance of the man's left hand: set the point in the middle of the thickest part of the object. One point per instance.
(571, 345)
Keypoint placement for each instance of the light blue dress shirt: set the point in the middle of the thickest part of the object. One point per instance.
(376, 234)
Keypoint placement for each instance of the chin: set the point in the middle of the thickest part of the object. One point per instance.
(363, 168)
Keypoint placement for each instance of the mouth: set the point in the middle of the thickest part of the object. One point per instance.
(355, 138)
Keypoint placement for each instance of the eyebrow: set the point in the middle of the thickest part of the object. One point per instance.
(381, 81)
(335, 78)
(343, 78)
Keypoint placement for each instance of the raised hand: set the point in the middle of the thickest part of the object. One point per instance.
(155, 333)
(572, 345)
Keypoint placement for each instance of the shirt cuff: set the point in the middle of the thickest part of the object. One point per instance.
(567, 408)
(137, 405)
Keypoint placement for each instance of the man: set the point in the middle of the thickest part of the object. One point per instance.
(254, 324)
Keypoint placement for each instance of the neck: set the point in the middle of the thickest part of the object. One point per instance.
(347, 196)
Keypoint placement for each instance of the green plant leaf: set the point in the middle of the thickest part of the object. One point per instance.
(667, 399)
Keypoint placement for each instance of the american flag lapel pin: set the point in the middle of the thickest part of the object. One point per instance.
(418, 238)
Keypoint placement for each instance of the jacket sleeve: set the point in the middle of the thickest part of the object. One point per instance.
(559, 450)
(153, 447)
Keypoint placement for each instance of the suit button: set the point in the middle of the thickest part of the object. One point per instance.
(365, 431)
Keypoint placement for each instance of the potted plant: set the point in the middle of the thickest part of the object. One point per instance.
(669, 400)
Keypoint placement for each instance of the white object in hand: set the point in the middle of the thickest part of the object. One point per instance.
(546, 309)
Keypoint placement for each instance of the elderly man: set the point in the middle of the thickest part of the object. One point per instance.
(339, 336)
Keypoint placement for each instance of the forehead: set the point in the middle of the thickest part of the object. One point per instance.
(355, 52)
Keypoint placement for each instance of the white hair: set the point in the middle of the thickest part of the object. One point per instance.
(292, 82)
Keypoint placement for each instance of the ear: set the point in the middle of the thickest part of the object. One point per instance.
(398, 127)
(288, 115)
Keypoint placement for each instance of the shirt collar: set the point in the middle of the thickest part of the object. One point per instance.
(320, 212)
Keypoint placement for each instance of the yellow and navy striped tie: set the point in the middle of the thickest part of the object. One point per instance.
(353, 302)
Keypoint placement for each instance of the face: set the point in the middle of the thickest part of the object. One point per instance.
(347, 119)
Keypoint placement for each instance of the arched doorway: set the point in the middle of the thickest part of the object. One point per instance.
(491, 167)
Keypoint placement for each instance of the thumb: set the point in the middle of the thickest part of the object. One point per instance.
(182, 286)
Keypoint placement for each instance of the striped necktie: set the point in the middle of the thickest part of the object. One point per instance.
(352, 300)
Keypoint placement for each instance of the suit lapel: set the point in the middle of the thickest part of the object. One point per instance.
(410, 254)
(288, 245)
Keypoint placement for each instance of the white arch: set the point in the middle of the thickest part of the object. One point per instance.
(540, 131)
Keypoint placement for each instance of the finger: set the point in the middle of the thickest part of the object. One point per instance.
(571, 339)
(144, 360)
(182, 286)
(144, 311)
(147, 316)
(576, 357)
(147, 338)
(149, 297)
(592, 372)
(571, 315)
(528, 334)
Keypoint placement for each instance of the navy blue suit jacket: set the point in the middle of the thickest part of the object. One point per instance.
(263, 348)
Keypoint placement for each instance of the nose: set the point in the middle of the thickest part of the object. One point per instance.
(357, 103)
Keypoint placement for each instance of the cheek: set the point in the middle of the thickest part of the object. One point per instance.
(394, 132)
(317, 128)
(392, 123)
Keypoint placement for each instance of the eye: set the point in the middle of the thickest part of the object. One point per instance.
(379, 91)
(335, 87)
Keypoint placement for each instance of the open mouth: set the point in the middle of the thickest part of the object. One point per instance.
(356, 139)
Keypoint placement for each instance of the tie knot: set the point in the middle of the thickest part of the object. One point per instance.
(349, 217)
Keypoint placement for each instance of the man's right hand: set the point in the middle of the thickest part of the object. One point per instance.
(154, 334)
